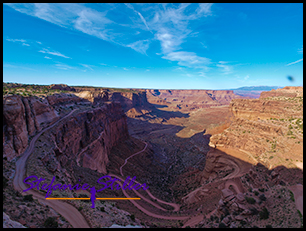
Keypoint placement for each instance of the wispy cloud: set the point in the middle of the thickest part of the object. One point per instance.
(46, 57)
(225, 68)
(140, 46)
(56, 53)
(300, 51)
(242, 79)
(6, 65)
(87, 66)
(168, 23)
(63, 66)
(125, 69)
(188, 59)
(289, 64)
(21, 41)
(139, 14)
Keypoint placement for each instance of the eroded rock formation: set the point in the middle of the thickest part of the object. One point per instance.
(23, 117)
(191, 99)
(268, 127)
(88, 136)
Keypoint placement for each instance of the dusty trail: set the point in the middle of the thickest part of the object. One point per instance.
(71, 214)
(298, 195)
(192, 220)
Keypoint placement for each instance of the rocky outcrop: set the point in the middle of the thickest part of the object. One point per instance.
(23, 117)
(191, 98)
(130, 100)
(266, 127)
(94, 96)
(8, 223)
(62, 87)
(62, 98)
(283, 92)
(88, 136)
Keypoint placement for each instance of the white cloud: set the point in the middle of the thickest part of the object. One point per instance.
(188, 59)
(125, 69)
(21, 41)
(63, 66)
(16, 40)
(56, 53)
(46, 57)
(289, 64)
(226, 69)
(87, 66)
(139, 14)
(300, 51)
(140, 46)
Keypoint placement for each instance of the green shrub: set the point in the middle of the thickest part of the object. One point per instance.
(132, 217)
(102, 209)
(256, 193)
(250, 200)
(4, 182)
(28, 197)
(80, 208)
(262, 197)
(264, 214)
(291, 196)
(51, 222)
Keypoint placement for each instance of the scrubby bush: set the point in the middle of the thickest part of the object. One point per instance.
(4, 182)
(256, 193)
(28, 197)
(50, 222)
(250, 200)
(254, 211)
(80, 208)
(264, 214)
(132, 217)
(262, 197)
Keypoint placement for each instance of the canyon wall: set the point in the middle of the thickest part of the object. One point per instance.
(88, 136)
(23, 117)
(191, 98)
(268, 129)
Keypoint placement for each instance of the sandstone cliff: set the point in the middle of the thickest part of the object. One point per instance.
(89, 135)
(192, 99)
(23, 117)
(268, 129)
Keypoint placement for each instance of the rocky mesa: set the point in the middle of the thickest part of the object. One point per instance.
(268, 129)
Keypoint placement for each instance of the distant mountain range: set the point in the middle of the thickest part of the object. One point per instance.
(253, 91)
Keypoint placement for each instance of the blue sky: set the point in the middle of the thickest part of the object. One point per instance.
(164, 46)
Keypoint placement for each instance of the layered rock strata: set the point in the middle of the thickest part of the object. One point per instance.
(191, 98)
(23, 117)
(269, 129)
(88, 136)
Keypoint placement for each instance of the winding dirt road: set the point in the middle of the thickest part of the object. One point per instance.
(176, 207)
(70, 213)
(73, 216)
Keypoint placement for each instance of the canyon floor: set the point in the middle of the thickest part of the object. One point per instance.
(191, 183)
